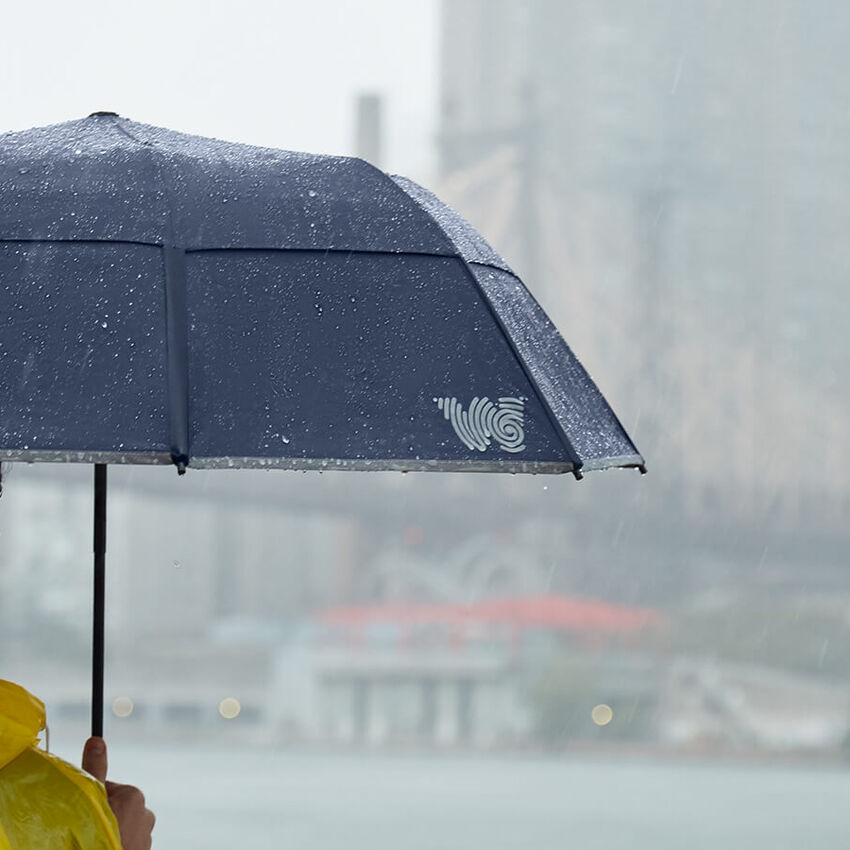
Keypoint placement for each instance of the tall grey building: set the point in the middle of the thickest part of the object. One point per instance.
(670, 177)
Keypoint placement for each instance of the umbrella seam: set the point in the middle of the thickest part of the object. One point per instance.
(118, 125)
(544, 402)
(234, 249)
(504, 265)
(641, 465)
(157, 158)
(410, 201)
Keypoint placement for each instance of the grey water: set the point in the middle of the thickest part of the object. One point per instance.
(240, 797)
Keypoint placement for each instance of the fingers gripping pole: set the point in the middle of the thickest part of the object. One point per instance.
(98, 619)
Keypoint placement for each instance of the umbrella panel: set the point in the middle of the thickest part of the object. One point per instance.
(82, 350)
(345, 356)
(296, 359)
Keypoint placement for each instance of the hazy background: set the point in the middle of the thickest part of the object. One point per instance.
(669, 178)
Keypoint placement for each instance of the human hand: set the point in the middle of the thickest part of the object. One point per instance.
(135, 821)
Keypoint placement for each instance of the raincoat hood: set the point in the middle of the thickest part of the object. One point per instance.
(22, 717)
(45, 803)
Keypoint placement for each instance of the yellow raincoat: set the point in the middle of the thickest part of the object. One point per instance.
(45, 803)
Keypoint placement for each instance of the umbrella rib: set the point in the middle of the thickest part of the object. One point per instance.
(177, 353)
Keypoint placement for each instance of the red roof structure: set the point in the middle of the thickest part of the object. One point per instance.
(549, 611)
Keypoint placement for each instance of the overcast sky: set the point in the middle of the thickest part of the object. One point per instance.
(277, 73)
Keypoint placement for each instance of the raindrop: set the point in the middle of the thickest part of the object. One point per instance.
(285, 439)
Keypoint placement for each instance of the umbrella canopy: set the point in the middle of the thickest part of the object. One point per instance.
(168, 298)
(172, 299)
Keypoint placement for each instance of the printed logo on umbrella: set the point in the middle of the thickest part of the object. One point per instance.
(485, 421)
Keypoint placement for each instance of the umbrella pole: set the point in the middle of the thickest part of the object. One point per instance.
(99, 599)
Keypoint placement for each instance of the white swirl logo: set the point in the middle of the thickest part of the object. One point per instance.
(485, 421)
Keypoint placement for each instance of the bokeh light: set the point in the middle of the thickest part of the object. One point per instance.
(229, 708)
(122, 706)
(602, 714)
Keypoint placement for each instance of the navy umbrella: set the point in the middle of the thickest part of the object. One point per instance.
(172, 299)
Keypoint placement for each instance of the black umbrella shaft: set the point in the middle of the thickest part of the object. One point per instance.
(99, 599)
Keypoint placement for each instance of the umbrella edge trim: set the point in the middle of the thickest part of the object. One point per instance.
(381, 464)
(621, 461)
(296, 463)
(67, 456)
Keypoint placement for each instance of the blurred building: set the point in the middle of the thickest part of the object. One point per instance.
(476, 674)
(713, 706)
(669, 178)
(182, 573)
